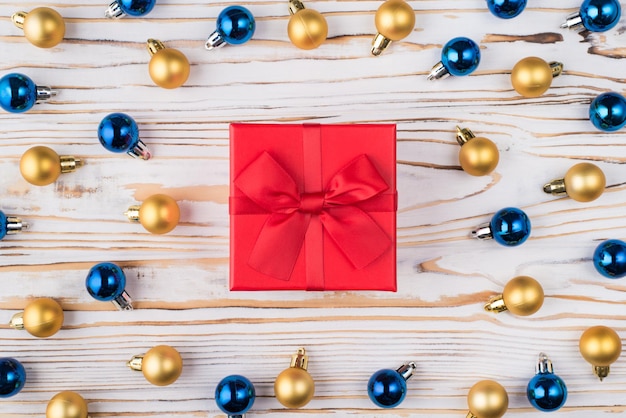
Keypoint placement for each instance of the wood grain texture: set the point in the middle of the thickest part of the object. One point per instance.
(180, 281)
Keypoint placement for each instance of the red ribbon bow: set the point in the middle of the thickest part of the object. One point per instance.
(295, 216)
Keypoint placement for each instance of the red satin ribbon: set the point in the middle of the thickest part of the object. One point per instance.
(291, 215)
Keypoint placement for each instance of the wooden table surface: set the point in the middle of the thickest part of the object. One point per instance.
(179, 281)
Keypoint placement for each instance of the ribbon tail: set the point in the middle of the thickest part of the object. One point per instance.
(358, 236)
(279, 243)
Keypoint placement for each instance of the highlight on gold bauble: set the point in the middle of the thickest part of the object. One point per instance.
(395, 20)
(532, 76)
(43, 27)
(478, 156)
(583, 182)
(42, 318)
(168, 68)
(158, 214)
(600, 346)
(67, 404)
(522, 296)
(41, 165)
(307, 28)
(161, 365)
(487, 399)
(294, 387)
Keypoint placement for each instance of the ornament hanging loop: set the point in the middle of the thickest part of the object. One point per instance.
(15, 225)
(463, 135)
(555, 187)
(69, 163)
(18, 19)
(439, 71)
(379, 44)
(407, 370)
(17, 321)
(133, 213)
(574, 20)
(295, 6)
(495, 304)
(135, 363)
(114, 11)
(483, 231)
(154, 46)
(300, 360)
(556, 67)
(544, 365)
(601, 371)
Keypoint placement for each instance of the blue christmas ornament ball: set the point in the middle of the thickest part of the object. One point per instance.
(510, 227)
(105, 281)
(118, 133)
(608, 111)
(12, 377)
(600, 15)
(3, 225)
(136, 7)
(546, 392)
(609, 259)
(235, 394)
(18, 93)
(506, 9)
(460, 56)
(235, 24)
(386, 388)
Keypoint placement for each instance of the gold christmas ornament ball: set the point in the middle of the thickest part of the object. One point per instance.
(44, 27)
(169, 68)
(162, 365)
(307, 29)
(395, 19)
(159, 214)
(294, 387)
(487, 399)
(584, 182)
(479, 156)
(40, 166)
(600, 346)
(67, 404)
(43, 317)
(523, 296)
(531, 77)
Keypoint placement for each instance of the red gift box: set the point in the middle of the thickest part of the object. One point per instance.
(313, 207)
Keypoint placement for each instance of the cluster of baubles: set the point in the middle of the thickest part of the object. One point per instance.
(161, 366)
(118, 133)
(294, 387)
(307, 29)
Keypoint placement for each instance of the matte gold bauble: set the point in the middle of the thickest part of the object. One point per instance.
(43, 27)
(40, 166)
(294, 387)
(584, 182)
(169, 68)
(162, 365)
(159, 214)
(531, 77)
(479, 156)
(43, 317)
(67, 405)
(487, 399)
(600, 346)
(307, 29)
(395, 19)
(523, 295)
